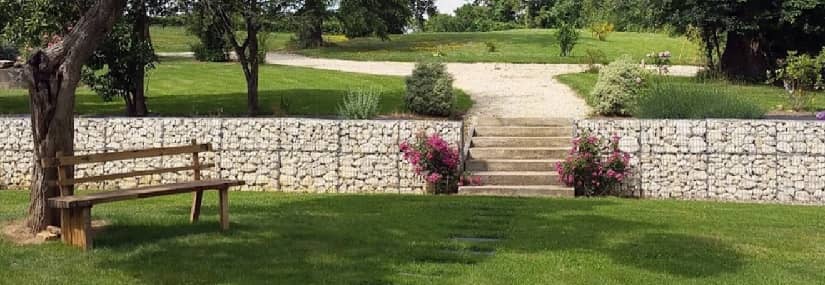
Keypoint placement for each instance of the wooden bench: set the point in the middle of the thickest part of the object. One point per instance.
(75, 211)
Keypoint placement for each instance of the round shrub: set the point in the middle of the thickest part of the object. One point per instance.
(430, 90)
(618, 88)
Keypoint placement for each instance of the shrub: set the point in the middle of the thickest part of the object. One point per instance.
(594, 57)
(594, 167)
(618, 87)
(667, 100)
(568, 37)
(601, 30)
(203, 53)
(8, 52)
(661, 60)
(491, 46)
(801, 74)
(433, 159)
(429, 90)
(360, 104)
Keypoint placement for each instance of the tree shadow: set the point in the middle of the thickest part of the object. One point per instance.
(333, 239)
(679, 254)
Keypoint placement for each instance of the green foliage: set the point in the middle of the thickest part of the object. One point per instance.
(619, 86)
(491, 46)
(666, 100)
(360, 104)
(568, 38)
(468, 18)
(8, 51)
(593, 57)
(361, 18)
(110, 71)
(601, 30)
(212, 47)
(429, 90)
(801, 74)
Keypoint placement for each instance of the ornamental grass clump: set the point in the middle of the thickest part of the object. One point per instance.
(595, 167)
(433, 159)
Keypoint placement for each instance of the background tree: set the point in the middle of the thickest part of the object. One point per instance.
(118, 67)
(363, 18)
(421, 9)
(52, 74)
(250, 13)
(749, 36)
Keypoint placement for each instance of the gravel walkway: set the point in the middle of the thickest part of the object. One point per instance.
(498, 89)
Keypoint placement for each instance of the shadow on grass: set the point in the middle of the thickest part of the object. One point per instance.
(679, 254)
(381, 239)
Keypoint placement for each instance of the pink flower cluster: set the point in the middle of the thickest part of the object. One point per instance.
(432, 158)
(594, 166)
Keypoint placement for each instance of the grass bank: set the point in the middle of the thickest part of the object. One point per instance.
(182, 87)
(323, 239)
(765, 96)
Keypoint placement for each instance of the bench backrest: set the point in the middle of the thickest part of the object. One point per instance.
(66, 163)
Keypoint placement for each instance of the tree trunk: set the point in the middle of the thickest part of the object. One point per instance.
(140, 35)
(745, 58)
(52, 76)
(252, 76)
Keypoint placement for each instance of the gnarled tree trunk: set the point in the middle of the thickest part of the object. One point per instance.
(52, 76)
(140, 34)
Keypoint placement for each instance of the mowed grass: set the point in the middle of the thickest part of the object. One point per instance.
(517, 46)
(326, 239)
(177, 39)
(765, 96)
(182, 87)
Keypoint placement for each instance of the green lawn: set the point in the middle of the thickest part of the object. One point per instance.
(326, 239)
(180, 87)
(767, 96)
(519, 46)
(176, 39)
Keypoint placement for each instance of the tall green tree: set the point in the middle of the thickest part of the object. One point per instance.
(359, 18)
(421, 10)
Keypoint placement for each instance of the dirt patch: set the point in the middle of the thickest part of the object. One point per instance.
(18, 233)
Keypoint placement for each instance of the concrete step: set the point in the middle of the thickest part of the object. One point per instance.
(522, 142)
(524, 132)
(518, 177)
(512, 165)
(517, 191)
(483, 153)
(525, 122)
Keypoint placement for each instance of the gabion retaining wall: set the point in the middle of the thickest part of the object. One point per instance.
(735, 160)
(278, 154)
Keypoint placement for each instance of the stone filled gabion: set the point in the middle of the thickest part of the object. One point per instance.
(270, 154)
(730, 160)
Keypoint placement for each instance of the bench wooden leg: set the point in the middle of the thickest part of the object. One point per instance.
(197, 200)
(224, 205)
(77, 227)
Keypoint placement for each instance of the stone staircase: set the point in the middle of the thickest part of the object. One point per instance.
(518, 156)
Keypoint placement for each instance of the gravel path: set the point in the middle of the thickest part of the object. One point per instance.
(498, 89)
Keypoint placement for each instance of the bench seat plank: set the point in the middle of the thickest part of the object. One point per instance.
(66, 202)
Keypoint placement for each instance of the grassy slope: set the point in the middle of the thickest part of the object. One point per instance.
(312, 239)
(520, 46)
(768, 97)
(176, 39)
(184, 88)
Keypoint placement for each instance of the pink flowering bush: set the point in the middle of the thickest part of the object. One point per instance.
(595, 166)
(433, 159)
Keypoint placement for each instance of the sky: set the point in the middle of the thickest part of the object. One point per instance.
(448, 6)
